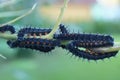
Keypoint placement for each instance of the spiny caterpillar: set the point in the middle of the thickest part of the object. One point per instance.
(32, 32)
(88, 53)
(7, 28)
(30, 38)
(42, 45)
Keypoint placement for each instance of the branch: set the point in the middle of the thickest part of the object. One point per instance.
(12, 13)
(49, 36)
(116, 47)
(20, 17)
(8, 36)
(8, 2)
(56, 26)
(3, 56)
(14, 36)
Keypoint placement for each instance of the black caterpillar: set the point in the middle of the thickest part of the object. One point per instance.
(32, 43)
(43, 45)
(88, 54)
(93, 43)
(38, 32)
(7, 28)
(82, 36)
(32, 32)
(50, 44)
(87, 40)
(28, 38)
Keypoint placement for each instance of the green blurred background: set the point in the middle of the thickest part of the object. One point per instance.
(90, 16)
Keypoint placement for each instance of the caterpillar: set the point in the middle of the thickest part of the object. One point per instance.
(76, 40)
(32, 43)
(89, 54)
(87, 40)
(93, 43)
(83, 40)
(32, 32)
(39, 32)
(7, 28)
(82, 36)
(43, 45)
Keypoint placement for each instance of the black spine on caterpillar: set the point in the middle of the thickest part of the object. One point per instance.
(89, 55)
(7, 28)
(87, 40)
(43, 45)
